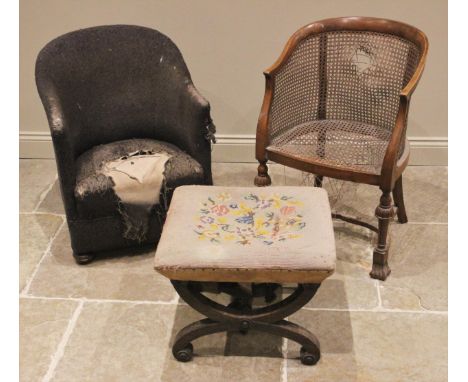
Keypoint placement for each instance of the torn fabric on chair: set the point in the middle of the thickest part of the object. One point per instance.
(138, 178)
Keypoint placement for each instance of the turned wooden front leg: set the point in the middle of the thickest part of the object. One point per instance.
(262, 179)
(384, 213)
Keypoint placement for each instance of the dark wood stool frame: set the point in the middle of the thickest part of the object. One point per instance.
(239, 316)
(390, 179)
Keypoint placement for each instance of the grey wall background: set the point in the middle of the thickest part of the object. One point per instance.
(227, 45)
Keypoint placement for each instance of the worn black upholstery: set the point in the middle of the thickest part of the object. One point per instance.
(94, 195)
(107, 91)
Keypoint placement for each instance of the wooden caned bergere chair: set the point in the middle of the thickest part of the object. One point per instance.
(336, 105)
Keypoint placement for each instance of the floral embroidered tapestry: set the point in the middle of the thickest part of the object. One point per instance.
(254, 217)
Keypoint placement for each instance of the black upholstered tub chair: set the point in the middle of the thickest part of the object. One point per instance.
(109, 91)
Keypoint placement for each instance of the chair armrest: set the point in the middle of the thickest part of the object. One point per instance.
(261, 140)
(393, 148)
(399, 132)
(63, 145)
(414, 80)
(195, 130)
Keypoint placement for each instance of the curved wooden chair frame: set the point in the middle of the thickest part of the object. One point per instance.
(240, 316)
(390, 178)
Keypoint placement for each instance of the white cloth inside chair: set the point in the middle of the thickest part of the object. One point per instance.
(138, 178)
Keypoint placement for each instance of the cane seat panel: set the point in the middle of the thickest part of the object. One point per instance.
(344, 144)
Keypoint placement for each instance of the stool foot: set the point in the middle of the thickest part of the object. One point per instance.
(309, 358)
(183, 348)
(185, 354)
(310, 350)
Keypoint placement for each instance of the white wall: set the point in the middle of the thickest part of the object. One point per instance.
(227, 45)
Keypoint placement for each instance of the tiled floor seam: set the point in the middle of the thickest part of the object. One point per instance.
(36, 268)
(379, 296)
(41, 213)
(381, 310)
(63, 343)
(427, 223)
(284, 365)
(175, 301)
(45, 193)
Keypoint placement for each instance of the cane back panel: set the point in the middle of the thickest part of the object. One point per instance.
(336, 98)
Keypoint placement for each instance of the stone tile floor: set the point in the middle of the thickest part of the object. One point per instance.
(114, 320)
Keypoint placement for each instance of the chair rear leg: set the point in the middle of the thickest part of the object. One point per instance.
(384, 212)
(262, 179)
(318, 181)
(399, 201)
